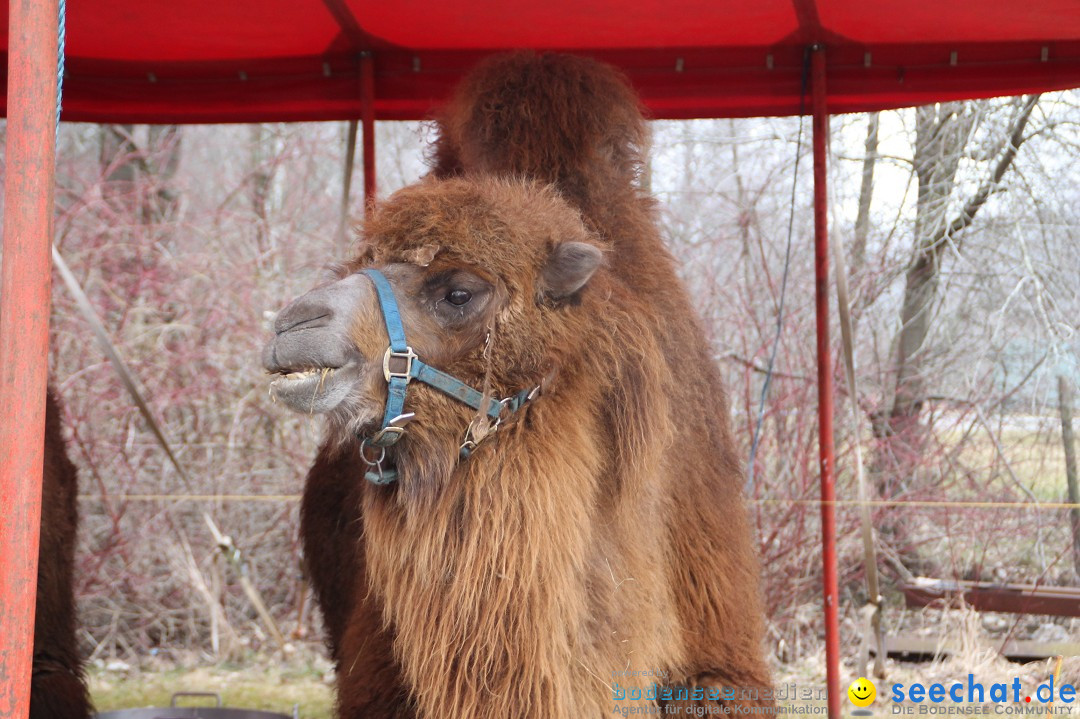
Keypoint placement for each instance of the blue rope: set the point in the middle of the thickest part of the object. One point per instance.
(61, 39)
(749, 488)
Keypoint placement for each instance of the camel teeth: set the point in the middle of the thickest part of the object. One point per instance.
(307, 373)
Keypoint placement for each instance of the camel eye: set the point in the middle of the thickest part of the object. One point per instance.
(458, 297)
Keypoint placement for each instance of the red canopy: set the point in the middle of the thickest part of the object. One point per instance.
(261, 60)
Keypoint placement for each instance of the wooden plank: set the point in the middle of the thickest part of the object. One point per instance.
(906, 646)
(987, 597)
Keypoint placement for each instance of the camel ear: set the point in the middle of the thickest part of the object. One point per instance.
(569, 267)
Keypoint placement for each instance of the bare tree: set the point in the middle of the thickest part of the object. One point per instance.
(137, 174)
(942, 133)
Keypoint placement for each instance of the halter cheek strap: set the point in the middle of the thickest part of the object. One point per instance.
(401, 365)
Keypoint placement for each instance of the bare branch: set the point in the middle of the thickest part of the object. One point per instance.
(972, 207)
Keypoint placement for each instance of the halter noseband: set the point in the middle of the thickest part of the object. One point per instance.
(400, 366)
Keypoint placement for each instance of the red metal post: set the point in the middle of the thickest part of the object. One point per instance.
(24, 331)
(367, 119)
(825, 379)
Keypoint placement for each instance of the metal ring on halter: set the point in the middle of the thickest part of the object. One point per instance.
(372, 463)
(376, 475)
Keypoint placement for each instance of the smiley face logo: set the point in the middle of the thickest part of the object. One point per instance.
(862, 692)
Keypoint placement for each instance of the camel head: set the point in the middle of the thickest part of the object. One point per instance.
(487, 277)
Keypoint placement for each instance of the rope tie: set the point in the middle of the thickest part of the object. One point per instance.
(61, 41)
(756, 439)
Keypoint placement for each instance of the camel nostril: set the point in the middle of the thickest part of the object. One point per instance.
(302, 317)
(312, 331)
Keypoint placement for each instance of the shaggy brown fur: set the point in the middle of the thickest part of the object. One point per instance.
(574, 123)
(517, 582)
(332, 530)
(577, 124)
(665, 519)
(57, 690)
(534, 577)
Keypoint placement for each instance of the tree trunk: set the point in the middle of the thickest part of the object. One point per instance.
(866, 193)
(137, 178)
(260, 186)
(1065, 403)
(119, 161)
(162, 159)
(941, 135)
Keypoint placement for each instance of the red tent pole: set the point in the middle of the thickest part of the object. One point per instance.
(825, 385)
(24, 331)
(367, 119)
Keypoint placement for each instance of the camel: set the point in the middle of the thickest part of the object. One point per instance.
(577, 124)
(531, 556)
(58, 687)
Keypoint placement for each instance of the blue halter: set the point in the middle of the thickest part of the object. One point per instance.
(400, 366)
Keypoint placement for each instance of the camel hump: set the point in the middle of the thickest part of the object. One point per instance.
(563, 119)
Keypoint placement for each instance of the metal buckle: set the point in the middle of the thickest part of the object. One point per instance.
(386, 436)
(392, 432)
(510, 403)
(504, 405)
(470, 442)
(408, 355)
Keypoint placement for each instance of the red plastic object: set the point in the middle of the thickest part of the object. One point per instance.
(24, 331)
(283, 60)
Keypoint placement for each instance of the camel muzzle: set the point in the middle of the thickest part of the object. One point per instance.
(315, 363)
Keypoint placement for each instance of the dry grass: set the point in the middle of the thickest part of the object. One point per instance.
(271, 685)
(261, 685)
(963, 630)
(1036, 457)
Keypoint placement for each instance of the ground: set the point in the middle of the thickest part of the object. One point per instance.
(273, 685)
(262, 683)
(306, 677)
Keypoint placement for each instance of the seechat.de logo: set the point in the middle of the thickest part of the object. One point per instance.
(979, 698)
